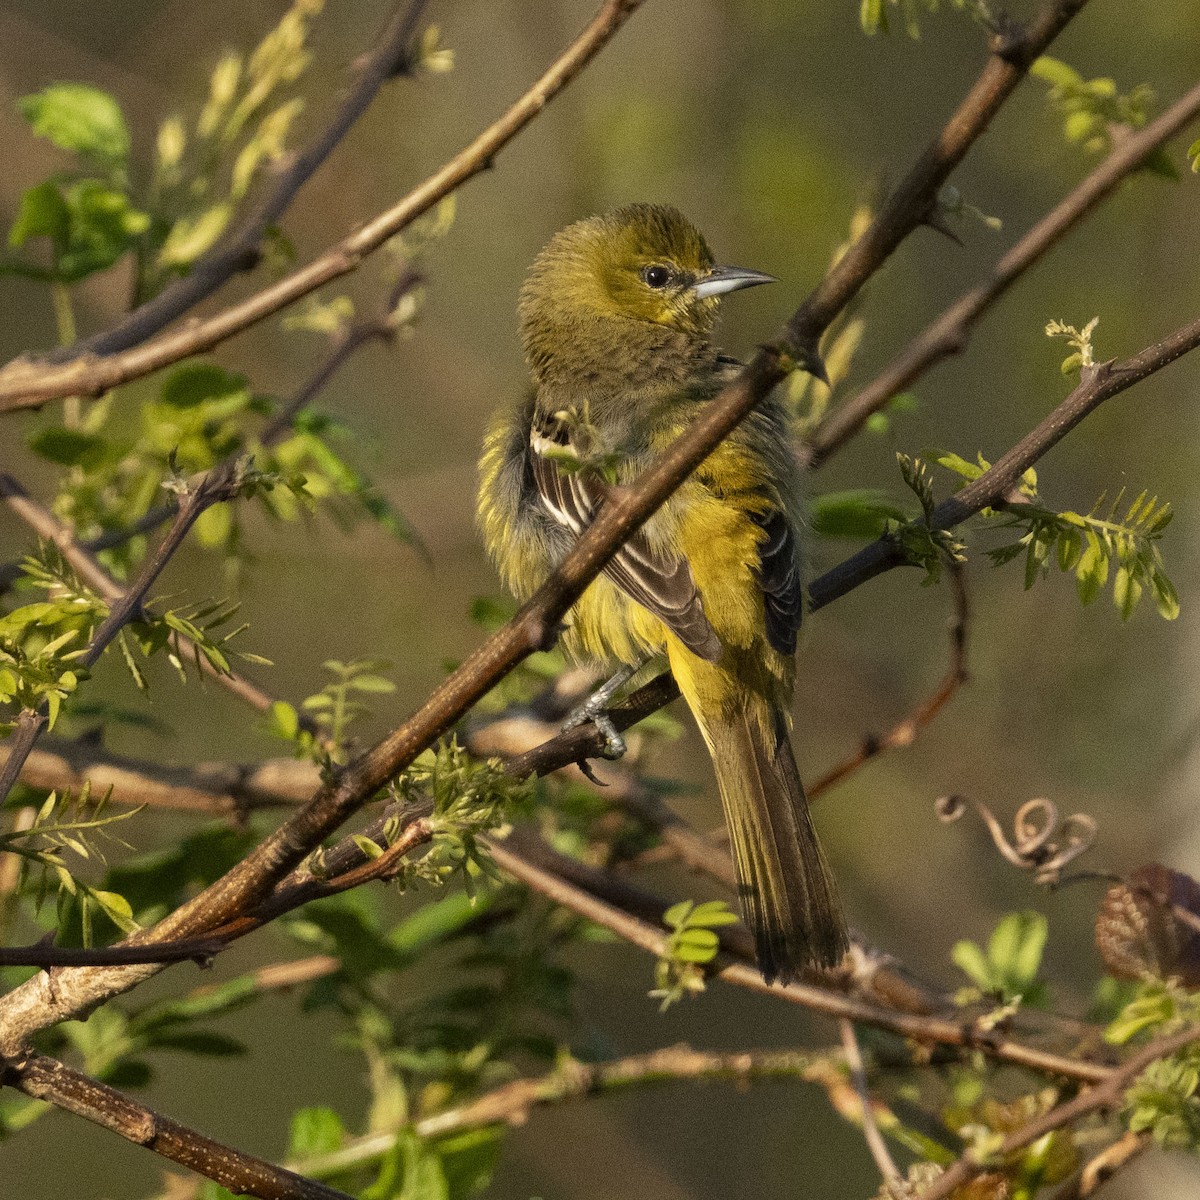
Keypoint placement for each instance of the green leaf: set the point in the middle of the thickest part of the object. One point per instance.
(202, 1042)
(872, 16)
(103, 225)
(214, 526)
(712, 913)
(116, 908)
(960, 466)
(855, 513)
(79, 118)
(367, 846)
(1055, 72)
(372, 683)
(285, 721)
(42, 213)
(68, 447)
(1015, 949)
(1127, 591)
(193, 383)
(316, 1130)
(191, 237)
(696, 945)
(970, 959)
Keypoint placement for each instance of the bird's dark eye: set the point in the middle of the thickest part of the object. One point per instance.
(657, 276)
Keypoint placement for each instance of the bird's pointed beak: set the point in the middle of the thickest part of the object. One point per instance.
(729, 279)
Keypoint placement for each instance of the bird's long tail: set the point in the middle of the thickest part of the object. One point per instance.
(787, 891)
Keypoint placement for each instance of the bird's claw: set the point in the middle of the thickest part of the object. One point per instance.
(592, 710)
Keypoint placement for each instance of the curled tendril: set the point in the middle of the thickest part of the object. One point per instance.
(1041, 842)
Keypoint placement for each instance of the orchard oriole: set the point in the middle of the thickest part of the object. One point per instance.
(616, 317)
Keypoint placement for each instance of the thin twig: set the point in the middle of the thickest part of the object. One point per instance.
(82, 554)
(212, 488)
(1097, 384)
(1103, 1166)
(513, 1102)
(949, 333)
(905, 732)
(1104, 1096)
(892, 1178)
(923, 1028)
(47, 1079)
(240, 249)
(29, 384)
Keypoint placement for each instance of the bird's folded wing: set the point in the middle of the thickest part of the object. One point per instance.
(661, 583)
(779, 577)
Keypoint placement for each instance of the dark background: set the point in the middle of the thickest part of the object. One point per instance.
(766, 121)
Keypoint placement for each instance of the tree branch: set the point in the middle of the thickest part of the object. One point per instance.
(949, 333)
(26, 384)
(512, 1103)
(82, 555)
(241, 248)
(892, 1178)
(1097, 384)
(47, 1079)
(921, 1027)
(217, 789)
(905, 732)
(213, 487)
(1105, 1095)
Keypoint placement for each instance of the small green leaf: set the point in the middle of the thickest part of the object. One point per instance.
(79, 118)
(193, 383)
(191, 237)
(214, 526)
(42, 213)
(68, 447)
(370, 848)
(284, 719)
(856, 513)
(970, 959)
(316, 1130)
(1055, 72)
(371, 683)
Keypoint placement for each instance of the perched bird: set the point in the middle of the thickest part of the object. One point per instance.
(617, 316)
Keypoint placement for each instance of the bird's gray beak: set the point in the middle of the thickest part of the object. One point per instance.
(729, 279)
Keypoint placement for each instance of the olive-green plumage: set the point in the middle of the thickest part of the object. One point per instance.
(617, 318)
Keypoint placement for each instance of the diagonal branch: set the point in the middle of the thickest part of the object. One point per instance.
(949, 333)
(1106, 1095)
(47, 1079)
(26, 384)
(925, 1028)
(905, 732)
(217, 485)
(1097, 384)
(240, 249)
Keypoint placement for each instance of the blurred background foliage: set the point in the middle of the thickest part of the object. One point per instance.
(768, 122)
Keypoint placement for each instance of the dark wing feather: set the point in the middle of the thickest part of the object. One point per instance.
(659, 583)
(779, 577)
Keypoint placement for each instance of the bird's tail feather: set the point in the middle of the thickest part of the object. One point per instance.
(787, 891)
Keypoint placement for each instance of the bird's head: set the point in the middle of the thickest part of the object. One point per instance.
(613, 283)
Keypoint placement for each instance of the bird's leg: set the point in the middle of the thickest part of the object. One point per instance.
(592, 709)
